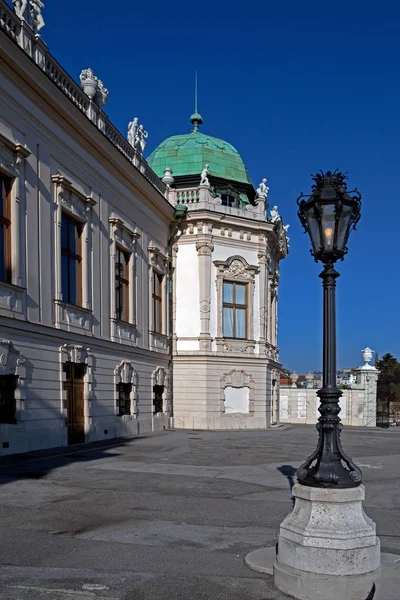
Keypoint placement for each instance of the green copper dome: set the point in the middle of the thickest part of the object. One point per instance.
(188, 154)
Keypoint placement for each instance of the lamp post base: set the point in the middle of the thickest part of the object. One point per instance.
(327, 544)
(314, 586)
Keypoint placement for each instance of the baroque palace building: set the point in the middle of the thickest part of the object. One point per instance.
(134, 295)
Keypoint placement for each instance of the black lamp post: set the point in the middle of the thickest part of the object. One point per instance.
(328, 214)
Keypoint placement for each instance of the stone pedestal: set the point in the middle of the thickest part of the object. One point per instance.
(327, 547)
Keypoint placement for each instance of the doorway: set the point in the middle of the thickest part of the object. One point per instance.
(158, 398)
(75, 403)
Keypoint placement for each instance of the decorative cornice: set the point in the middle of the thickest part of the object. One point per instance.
(118, 223)
(20, 151)
(67, 186)
(76, 353)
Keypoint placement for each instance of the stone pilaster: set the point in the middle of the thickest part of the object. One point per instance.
(173, 328)
(263, 261)
(367, 378)
(204, 247)
(273, 308)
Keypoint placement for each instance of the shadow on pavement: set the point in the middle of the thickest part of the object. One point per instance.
(37, 465)
(289, 472)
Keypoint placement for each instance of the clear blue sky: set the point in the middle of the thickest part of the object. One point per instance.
(295, 87)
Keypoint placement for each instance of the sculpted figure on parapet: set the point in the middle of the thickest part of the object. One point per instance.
(132, 129)
(140, 139)
(263, 189)
(204, 176)
(275, 216)
(137, 135)
(20, 8)
(32, 14)
(36, 14)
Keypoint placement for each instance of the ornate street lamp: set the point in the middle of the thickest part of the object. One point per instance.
(328, 215)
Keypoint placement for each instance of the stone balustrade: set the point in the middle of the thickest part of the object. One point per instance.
(189, 196)
(36, 49)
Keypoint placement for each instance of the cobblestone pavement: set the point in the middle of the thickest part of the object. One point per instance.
(169, 516)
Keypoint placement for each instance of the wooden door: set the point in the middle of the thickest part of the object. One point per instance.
(74, 386)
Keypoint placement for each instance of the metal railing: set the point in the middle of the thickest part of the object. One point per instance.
(32, 45)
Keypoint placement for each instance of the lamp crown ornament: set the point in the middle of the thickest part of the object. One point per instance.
(329, 214)
(330, 178)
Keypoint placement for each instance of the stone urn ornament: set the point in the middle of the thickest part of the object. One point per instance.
(168, 179)
(367, 355)
(294, 378)
(89, 82)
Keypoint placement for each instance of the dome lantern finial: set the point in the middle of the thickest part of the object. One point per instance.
(196, 118)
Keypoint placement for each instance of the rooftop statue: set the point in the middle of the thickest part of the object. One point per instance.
(101, 94)
(275, 216)
(263, 189)
(285, 229)
(31, 12)
(20, 8)
(204, 176)
(132, 129)
(36, 14)
(140, 136)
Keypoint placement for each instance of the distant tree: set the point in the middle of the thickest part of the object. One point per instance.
(387, 364)
(285, 371)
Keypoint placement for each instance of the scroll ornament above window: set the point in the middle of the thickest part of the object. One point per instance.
(236, 268)
(71, 198)
(10, 358)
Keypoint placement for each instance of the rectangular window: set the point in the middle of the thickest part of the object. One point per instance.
(234, 321)
(5, 228)
(157, 302)
(8, 383)
(124, 398)
(71, 260)
(122, 285)
(227, 200)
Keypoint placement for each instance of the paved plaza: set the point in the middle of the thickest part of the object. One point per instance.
(169, 516)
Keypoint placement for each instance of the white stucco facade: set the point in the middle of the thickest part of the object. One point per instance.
(111, 308)
(222, 382)
(56, 159)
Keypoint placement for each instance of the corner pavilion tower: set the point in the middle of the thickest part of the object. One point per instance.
(225, 286)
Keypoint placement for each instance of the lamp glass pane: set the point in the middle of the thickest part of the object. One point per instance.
(344, 227)
(313, 228)
(328, 226)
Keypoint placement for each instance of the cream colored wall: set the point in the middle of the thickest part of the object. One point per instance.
(358, 405)
(97, 170)
(187, 295)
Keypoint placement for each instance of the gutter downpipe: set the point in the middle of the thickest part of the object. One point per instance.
(180, 215)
